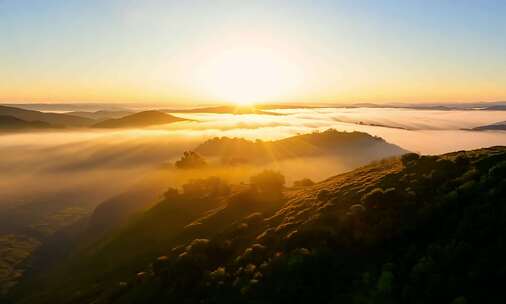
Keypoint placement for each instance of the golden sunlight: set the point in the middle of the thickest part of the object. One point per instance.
(248, 75)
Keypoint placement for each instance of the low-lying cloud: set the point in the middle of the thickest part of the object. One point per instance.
(34, 164)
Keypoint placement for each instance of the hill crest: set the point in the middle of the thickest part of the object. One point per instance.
(141, 119)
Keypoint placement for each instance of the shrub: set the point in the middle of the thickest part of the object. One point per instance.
(498, 171)
(305, 182)
(409, 157)
(373, 198)
(323, 195)
(161, 264)
(191, 160)
(218, 274)
(357, 209)
(198, 246)
(461, 161)
(211, 186)
(268, 181)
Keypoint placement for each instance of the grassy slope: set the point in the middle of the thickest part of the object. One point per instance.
(423, 230)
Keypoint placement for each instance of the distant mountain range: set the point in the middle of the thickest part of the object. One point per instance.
(52, 119)
(21, 119)
(258, 109)
(14, 118)
(101, 115)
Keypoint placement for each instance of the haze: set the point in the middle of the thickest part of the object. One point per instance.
(230, 151)
(79, 157)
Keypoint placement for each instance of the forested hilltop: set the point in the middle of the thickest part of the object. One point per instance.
(415, 229)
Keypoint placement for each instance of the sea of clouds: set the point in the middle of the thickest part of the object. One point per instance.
(94, 165)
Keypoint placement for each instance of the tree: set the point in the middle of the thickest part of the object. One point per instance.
(268, 181)
(191, 160)
(409, 157)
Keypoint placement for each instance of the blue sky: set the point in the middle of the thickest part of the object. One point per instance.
(331, 51)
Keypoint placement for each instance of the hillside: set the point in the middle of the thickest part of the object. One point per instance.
(336, 146)
(499, 126)
(13, 123)
(426, 229)
(141, 119)
(355, 146)
(499, 107)
(101, 115)
(224, 110)
(50, 118)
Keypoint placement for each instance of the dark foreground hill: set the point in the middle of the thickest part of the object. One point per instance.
(427, 229)
(141, 119)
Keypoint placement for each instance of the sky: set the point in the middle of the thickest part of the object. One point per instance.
(207, 52)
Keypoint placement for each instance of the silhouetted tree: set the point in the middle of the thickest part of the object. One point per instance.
(268, 181)
(191, 160)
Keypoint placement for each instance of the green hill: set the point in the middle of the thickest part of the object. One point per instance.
(419, 229)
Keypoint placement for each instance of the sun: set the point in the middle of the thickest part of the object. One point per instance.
(248, 75)
(242, 102)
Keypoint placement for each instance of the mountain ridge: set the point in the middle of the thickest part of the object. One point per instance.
(13, 123)
(50, 118)
(357, 145)
(498, 126)
(140, 119)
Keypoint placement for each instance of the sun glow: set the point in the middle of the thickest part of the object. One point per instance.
(248, 75)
